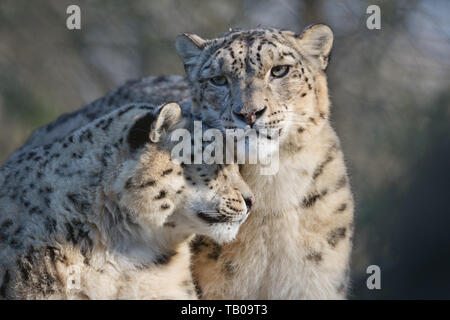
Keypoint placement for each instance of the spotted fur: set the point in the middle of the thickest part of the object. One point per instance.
(292, 246)
(103, 213)
(297, 242)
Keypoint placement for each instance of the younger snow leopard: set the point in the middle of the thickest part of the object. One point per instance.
(104, 213)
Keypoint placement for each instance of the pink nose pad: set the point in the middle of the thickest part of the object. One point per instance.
(249, 117)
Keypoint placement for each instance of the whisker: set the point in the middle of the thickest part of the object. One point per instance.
(226, 214)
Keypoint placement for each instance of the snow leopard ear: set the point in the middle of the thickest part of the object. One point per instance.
(138, 135)
(316, 42)
(168, 115)
(149, 128)
(189, 47)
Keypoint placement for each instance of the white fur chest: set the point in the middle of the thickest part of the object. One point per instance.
(110, 276)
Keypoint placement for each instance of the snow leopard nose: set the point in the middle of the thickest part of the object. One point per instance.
(249, 116)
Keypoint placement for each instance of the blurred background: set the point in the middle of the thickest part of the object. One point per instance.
(390, 91)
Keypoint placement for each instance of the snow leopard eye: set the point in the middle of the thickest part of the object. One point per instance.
(279, 71)
(219, 81)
